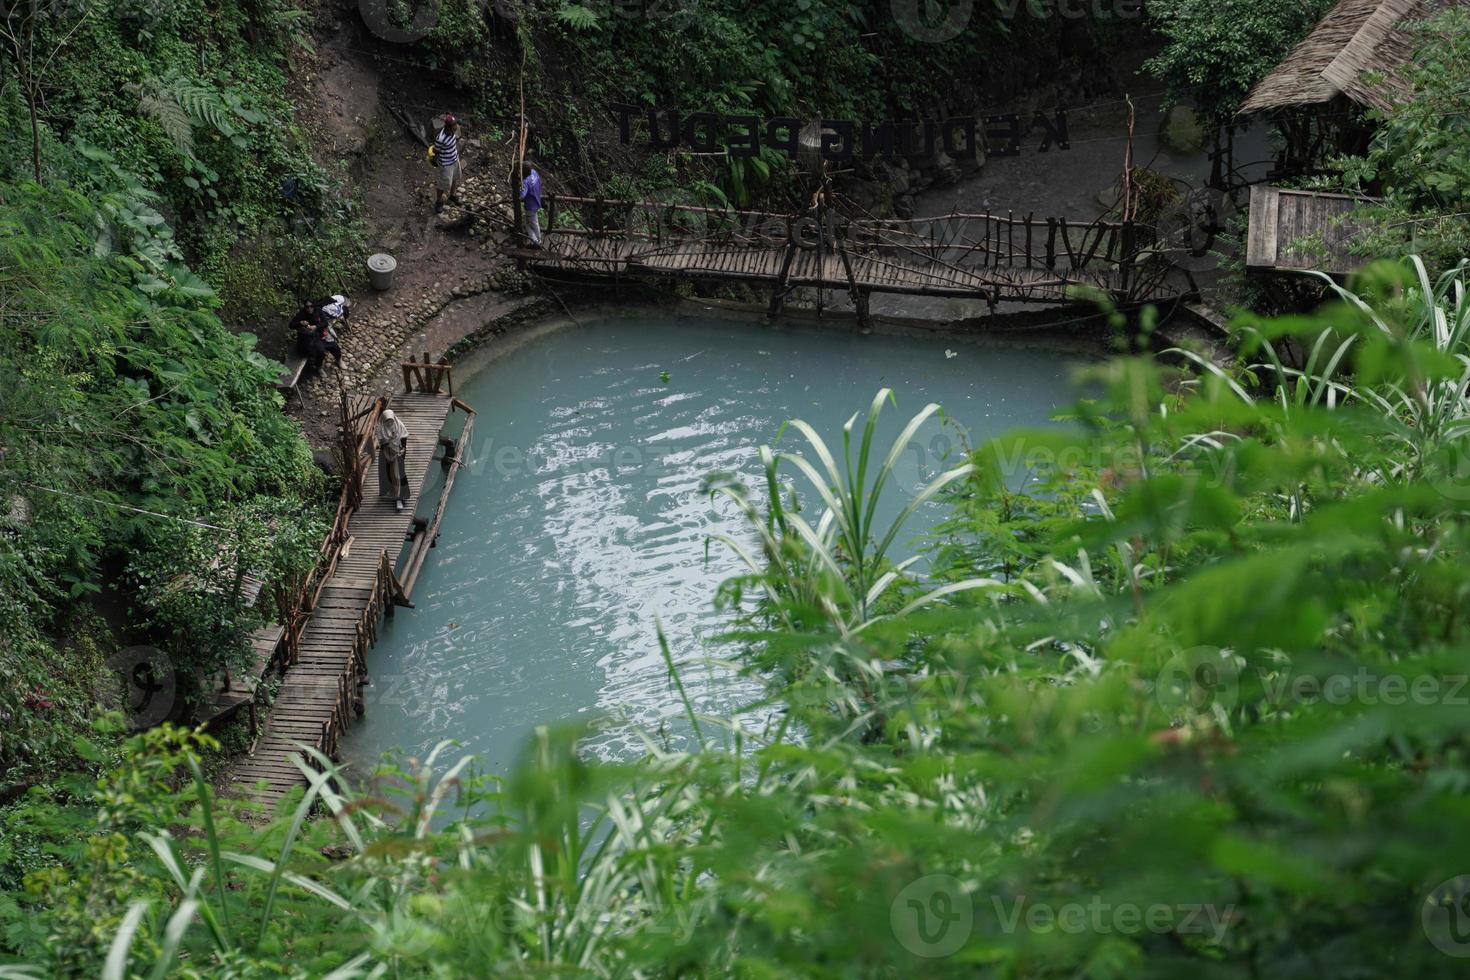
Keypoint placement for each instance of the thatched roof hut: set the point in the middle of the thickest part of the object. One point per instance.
(1356, 52)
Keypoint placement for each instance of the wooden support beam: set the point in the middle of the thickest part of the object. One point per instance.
(859, 296)
(416, 558)
(778, 294)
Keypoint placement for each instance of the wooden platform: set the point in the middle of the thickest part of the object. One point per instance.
(1302, 231)
(319, 691)
(239, 692)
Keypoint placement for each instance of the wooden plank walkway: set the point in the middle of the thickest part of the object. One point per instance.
(319, 691)
(239, 692)
(880, 273)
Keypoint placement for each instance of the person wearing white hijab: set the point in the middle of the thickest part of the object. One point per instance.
(392, 438)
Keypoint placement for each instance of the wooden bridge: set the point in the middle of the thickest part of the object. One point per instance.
(991, 256)
(332, 614)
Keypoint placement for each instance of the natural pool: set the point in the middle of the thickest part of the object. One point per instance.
(580, 524)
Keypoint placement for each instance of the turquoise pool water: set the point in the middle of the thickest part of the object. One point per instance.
(580, 523)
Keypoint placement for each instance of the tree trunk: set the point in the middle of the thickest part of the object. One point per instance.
(35, 134)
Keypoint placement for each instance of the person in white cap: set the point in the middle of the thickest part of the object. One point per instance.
(392, 438)
(331, 316)
(444, 154)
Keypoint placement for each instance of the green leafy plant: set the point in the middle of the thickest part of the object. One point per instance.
(1418, 154)
(839, 566)
(579, 17)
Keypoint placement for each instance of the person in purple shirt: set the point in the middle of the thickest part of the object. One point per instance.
(531, 195)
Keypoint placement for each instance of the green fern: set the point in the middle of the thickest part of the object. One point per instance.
(179, 104)
(579, 17)
(203, 104)
(160, 105)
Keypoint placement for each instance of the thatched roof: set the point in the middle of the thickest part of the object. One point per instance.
(1357, 38)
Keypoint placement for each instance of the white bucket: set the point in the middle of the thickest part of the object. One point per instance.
(380, 270)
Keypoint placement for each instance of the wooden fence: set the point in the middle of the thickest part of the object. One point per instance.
(296, 601)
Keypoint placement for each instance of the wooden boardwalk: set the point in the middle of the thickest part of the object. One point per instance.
(871, 273)
(239, 691)
(319, 690)
(994, 257)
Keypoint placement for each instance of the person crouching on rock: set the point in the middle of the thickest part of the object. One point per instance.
(392, 439)
(331, 317)
(306, 324)
(444, 154)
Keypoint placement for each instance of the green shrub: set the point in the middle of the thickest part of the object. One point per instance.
(1420, 155)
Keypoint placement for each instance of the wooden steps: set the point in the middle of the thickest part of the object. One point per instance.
(240, 691)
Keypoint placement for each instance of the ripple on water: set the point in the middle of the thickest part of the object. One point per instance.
(581, 526)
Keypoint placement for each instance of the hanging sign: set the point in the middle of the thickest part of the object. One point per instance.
(961, 137)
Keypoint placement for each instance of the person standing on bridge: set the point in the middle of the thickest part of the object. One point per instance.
(531, 195)
(444, 154)
(392, 439)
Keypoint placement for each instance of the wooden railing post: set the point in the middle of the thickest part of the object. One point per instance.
(1125, 262)
(515, 198)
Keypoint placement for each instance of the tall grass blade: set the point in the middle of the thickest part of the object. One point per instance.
(173, 935)
(116, 965)
(663, 646)
(303, 810)
(206, 810)
(258, 863)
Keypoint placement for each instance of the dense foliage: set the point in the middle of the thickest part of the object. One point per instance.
(193, 102)
(1420, 155)
(127, 411)
(872, 60)
(1214, 52)
(139, 144)
(1205, 716)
